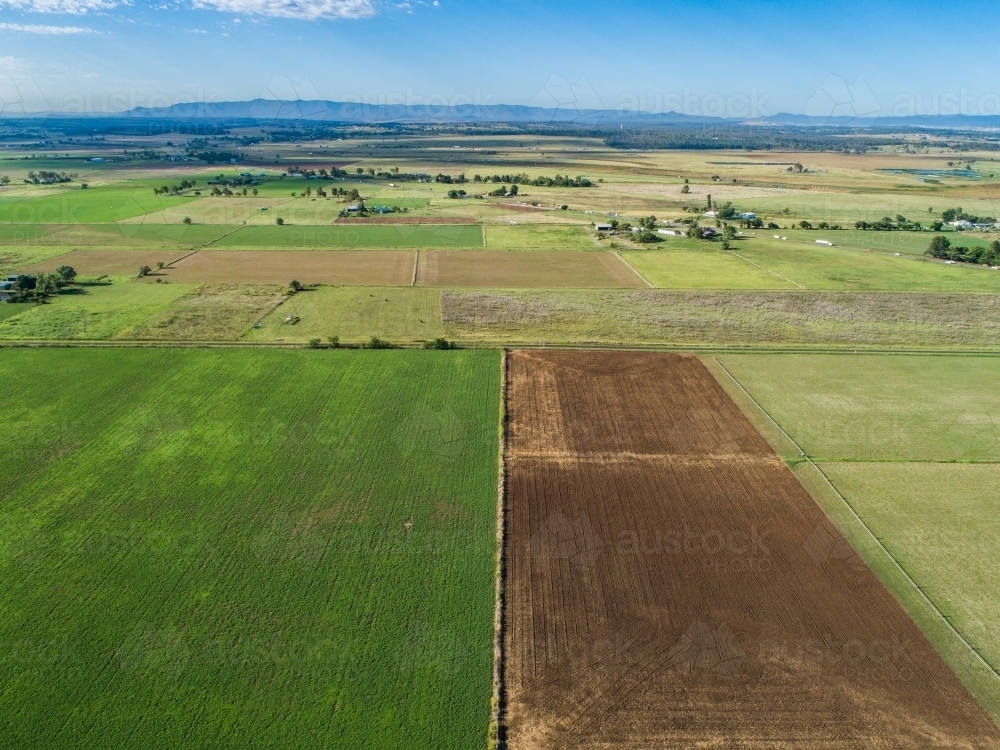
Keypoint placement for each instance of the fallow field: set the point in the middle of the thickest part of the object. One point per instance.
(667, 587)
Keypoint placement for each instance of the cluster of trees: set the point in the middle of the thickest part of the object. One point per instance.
(504, 192)
(957, 214)
(887, 224)
(41, 287)
(456, 193)
(525, 179)
(48, 178)
(217, 157)
(448, 179)
(225, 191)
(942, 248)
(4, 180)
(175, 189)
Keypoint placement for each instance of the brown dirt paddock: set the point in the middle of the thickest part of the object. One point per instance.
(670, 584)
(343, 267)
(108, 262)
(499, 269)
(405, 219)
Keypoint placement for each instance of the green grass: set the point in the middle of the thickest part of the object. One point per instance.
(876, 407)
(9, 309)
(912, 443)
(109, 235)
(357, 235)
(355, 314)
(940, 521)
(247, 549)
(688, 264)
(813, 266)
(539, 237)
(68, 204)
(16, 258)
(102, 311)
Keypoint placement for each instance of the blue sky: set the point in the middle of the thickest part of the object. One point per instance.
(728, 58)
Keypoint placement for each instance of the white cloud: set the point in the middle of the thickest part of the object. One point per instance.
(35, 28)
(74, 7)
(309, 10)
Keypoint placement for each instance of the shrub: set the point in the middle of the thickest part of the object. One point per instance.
(334, 341)
(376, 343)
(314, 343)
(279, 221)
(440, 343)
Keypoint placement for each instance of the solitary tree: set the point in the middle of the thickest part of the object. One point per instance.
(144, 271)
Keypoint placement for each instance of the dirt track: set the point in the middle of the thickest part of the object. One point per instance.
(670, 584)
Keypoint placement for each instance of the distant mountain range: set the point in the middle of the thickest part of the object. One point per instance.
(351, 112)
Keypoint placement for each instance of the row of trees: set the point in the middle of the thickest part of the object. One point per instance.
(942, 248)
(524, 179)
(957, 214)
(175, 189)
(887, 224)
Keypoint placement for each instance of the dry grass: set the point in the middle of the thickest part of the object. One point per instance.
(726, 318)
(210, 313)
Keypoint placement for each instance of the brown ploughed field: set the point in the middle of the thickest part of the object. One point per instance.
(343, 267)
(670, 584)
(503, 269)
(107, 262)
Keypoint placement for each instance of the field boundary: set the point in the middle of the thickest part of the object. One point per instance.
(416, 265)
(856, 517)
(632, 269)
(232, 231)
(496, 733)
(178, 260)
(768, 270)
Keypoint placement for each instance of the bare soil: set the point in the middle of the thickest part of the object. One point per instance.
(670, 583)
(502, 269)
(343, 267)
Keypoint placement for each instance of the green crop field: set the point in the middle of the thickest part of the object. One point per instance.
(912, 446)
(16, 258)
(397, 314)
(247, 548)
(357, 235)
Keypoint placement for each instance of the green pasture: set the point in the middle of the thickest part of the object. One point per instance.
(355, 314)
(69, 204)
(813, 266)
(238, 549)
(539, 237)
(878, 407)
(91, 312)
(15, 258)
(683, 263)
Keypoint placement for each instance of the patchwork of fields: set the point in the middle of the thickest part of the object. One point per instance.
(247, 549)
(212, 537)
